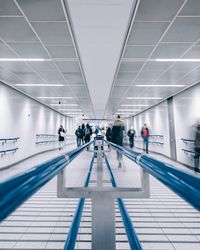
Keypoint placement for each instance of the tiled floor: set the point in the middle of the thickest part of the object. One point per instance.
(163, 222)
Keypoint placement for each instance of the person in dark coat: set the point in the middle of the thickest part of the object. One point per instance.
(145, 137)
(83, 133)
(61, 136)
(79, 135)
(117, 137)
(131, 135)
(197, 148)
(109, 135)
(88, 133)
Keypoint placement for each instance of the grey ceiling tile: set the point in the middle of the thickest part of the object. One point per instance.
(29, 77)
(67, 67)
(144, 33)
(192, 78)
(183, 30)
(29, 50)
(157, 65)
(16, 29)
(9, 8)
(170, 50)
(123, 82)
(51, 76)
(62, 51)
(191, 8)
(169, 77)
(126, 75)
(53, 32)
(184, 67)
(194, 52)
(131, 66)
(15, 66)
(149, 75)
(42, 10)
(118, 92)
(6, 52)
(137, 51)
(43, 66)
(157, 10)
(8, 77)
(73, 77)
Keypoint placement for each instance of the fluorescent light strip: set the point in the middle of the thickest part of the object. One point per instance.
(162, 85)
(63, 104)
(24, 59)
(135, 105)
(54, 97)
(144, 98)
(39, 85)
(175, 60)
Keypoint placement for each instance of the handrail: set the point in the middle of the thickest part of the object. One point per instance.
(130, 231)
(182, 183)
(188, 151)
(8, 150)
(16, 190)
(45, 135)
(153, 142)
(72, 235)
(187, 140)
(9, 139)
(41, 142)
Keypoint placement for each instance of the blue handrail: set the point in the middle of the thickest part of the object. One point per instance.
(16, 190)
(187, 140)
(42, 142)
(8, 150)
(45, 135)
(182, 183)
(130, 231)
(188, 151)
(71, 238)
(9, 139)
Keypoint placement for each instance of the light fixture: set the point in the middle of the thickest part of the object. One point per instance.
(144, 98)
(131, 110)
(24, 59)
(64, 104)
(160, 85)
(54, 97)
(135, 105)
(175, 60)
(38, 85)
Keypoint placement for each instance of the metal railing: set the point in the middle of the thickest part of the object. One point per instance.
(182, 183)
(71, 238)
(4, 140)
(130, 231)
(13, 150)
(18, 189)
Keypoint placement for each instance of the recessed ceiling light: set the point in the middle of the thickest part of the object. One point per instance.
(175, 60)
(64, 104)
(135, 105)
(39, 85)
(160, 85)
(144, 98)
(23, 59)
(54, 97)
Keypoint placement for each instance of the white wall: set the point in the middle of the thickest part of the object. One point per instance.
(186, 115)
(157, 122)
(20, 116)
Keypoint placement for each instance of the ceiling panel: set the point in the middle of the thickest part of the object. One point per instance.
(62, 51)
(131, 66)
(157, 10)
(194, 52)
(16, 29)
(15, 66)
(29, 77)
(191, 8)
(170, 50)
(42, 10)
(184, 67)
(184, 29)
(149, 75)
(53, 32)
(9, 8)
(157, 66)
(43, 66)
(146, 33)
(52, 76)
(126, 75)
(133, 51)
(6, 52)
(123, 82)
(67, 67)
(118, 92)
(73, 77)
(29, 50)
(169, 77)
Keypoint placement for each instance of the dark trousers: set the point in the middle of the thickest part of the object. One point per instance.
(146, 144)
(131, 142)
(196, 160)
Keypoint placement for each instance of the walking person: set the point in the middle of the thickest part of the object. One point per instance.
(117, 138)
(197, 148)
(79, 135)
(109, 135)
(88, 133)
(131, 135)
(83, 133)
(61, 136)
(145, 137)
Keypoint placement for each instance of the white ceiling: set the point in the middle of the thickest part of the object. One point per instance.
(99, 50)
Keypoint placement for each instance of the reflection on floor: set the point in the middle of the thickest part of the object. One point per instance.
(162, 222)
